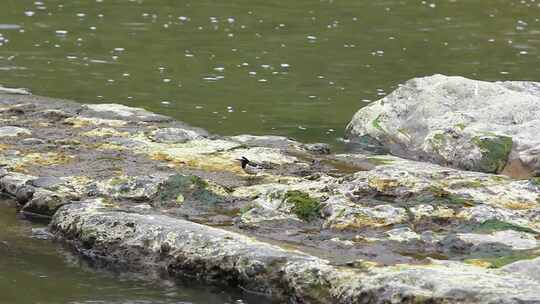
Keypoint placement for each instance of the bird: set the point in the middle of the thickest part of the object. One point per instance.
(251, 167)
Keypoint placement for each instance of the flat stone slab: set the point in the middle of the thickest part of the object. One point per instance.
(158, 243)
(137, 190)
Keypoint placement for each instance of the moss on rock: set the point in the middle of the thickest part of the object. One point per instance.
(505, 260)
(376, 123)
(442, 195)
(470, 184)
(495, 150)
(304, 206)
(500, 261)
(379, 161)
(497, 225)
(179, 188)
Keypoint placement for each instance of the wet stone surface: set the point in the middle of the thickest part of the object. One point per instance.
(123, 185)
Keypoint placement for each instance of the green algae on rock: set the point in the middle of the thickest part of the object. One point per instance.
(304, 206)
(497, 225)
(181, 187)
(495, 151)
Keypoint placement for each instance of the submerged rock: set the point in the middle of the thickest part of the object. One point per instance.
(467, 124)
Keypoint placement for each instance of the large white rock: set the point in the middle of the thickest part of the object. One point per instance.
(469, 124)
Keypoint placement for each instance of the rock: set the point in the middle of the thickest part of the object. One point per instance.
(46, 182)
(120, 189)
(55, 115)
(513, 239)
(117, 111)
(403, 234)
(82, 121)
(350, 216)
(318, 148)
(280, 142)
(137, 188)
(19, 91)
(24, 194)
(257, 215)
(105, 132)
(33, 141)
(14, 131)
(181, 189)
(174, 135)
(467, 124)
(44, 202)
(162, 244)
(41, 234)
(12, 182)
(269, 141)
(527, 268)
(18, 109)
(263, 155)
(424, 210)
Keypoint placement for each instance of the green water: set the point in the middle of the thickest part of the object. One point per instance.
(297, 68)
(36, 271)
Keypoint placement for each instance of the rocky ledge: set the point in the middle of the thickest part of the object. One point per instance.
(138, 191)
(473, 125)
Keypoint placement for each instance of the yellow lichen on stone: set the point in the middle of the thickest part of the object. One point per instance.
(383, 185)
(160, 156)
(205, 154)
(364, 264)
(216, 188)
(42, 160)
(214, 164)
(19, 168)
(67, 141)
(80, 122)
(46, 159)
(211, 163)
(516, 205)
(360, 221)
(102, 132)
(478, 262)
(78, 184)
(3, 147)
(107, 146)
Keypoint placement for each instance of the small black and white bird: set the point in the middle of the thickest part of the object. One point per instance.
(251, 167)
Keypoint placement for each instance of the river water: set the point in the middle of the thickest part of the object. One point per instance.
(36, 271)
(296, 68)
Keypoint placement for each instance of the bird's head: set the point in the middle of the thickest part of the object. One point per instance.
(243, 161)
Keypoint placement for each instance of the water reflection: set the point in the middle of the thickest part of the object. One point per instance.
(37, 271)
